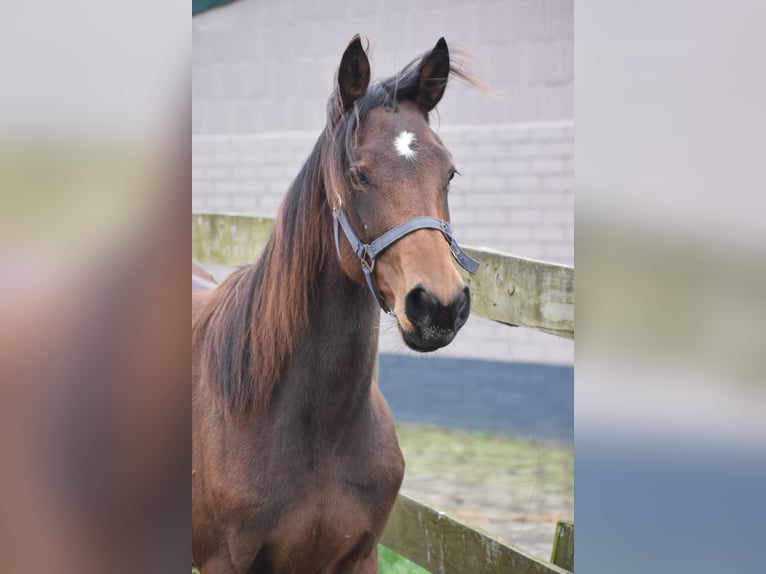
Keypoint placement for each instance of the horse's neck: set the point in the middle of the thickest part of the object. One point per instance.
(330, 374)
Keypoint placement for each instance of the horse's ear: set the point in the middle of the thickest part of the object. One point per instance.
(432, 76)
(354, 73)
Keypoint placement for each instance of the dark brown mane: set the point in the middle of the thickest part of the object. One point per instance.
(253, 318)
(251, 322)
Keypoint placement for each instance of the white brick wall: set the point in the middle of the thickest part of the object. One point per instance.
(264, 65)
(515, 194)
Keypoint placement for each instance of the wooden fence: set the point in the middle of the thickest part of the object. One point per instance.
(508, 289)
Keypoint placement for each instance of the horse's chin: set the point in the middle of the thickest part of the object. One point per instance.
(427, 340)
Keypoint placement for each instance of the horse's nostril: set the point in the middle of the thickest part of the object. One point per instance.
(462, 306)
(425, 311)
(420, 307)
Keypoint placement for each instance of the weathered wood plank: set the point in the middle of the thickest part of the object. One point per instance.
(524, 292)
(507, 288)
(222, 239)
(563, 545)
(443, 545)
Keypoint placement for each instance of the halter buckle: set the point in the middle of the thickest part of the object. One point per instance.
(368, 261)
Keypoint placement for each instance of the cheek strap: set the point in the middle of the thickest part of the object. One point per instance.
(368, 252)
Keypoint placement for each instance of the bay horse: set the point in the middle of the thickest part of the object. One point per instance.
(295, 461)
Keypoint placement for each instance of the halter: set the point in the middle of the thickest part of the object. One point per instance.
(368, 252)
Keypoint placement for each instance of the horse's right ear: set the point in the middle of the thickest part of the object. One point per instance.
(433, 74)
(353, 74)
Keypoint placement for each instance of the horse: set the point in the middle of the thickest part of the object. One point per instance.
(295, 461)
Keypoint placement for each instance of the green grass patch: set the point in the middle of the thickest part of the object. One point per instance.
(390, 562)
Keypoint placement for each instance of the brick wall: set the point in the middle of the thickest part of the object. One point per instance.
(268, 65)
(515, 193)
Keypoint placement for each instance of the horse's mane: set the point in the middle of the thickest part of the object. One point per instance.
(252, 319)
(250, 325)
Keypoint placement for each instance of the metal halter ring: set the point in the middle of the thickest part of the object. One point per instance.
(367, 259)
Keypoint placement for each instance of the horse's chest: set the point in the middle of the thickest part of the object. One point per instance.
(328, 525)
(336, 511)
(341, 503)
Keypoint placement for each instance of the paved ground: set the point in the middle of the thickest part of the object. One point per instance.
(514, 399)
(514, 489)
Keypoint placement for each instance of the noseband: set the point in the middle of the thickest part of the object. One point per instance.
(368, 252)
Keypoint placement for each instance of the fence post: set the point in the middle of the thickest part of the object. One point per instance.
(563, 545)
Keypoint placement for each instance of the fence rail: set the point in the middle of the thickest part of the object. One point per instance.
(441, 543)
(508, 289)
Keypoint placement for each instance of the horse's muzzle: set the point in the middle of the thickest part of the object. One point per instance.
(435, 324)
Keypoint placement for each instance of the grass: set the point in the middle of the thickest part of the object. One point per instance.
(391, 563)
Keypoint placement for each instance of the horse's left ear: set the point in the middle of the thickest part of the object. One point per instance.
(354, 73)
(433, 75)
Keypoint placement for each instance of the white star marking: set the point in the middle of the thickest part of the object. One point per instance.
(403, 144)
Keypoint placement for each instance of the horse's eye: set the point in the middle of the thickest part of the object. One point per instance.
(358, 177)
(452, 175)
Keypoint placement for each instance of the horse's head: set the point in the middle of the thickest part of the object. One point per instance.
(390, 169)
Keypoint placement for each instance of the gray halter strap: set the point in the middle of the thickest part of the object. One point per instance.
(368, 252)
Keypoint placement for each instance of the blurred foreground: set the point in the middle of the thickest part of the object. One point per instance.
(670, 400)
(94, 354)
(94, 401)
